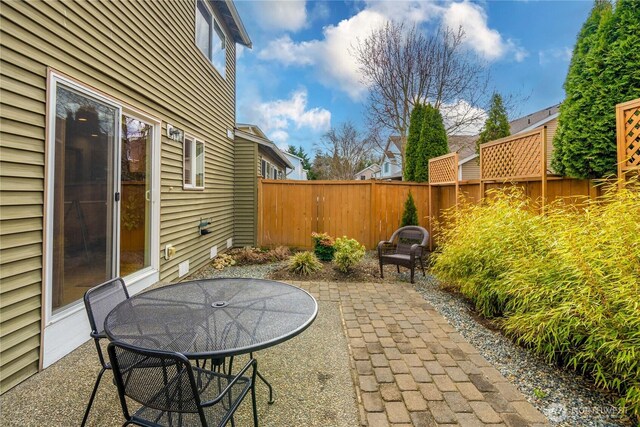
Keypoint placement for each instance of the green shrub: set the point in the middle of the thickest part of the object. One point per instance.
(304, 263)
(410, 214)
(323, 246)
(566, 284)
(349, 252)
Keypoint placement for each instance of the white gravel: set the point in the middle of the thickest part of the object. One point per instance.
(565, 397)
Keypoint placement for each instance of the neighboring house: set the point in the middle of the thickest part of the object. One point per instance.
(468, 164)
(391, 164)
(298, 172)
(368, 173)
(271, 161)
(117, 144)
(256, 157)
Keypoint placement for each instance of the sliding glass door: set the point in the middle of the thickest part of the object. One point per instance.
(84, 196)
(135, 207)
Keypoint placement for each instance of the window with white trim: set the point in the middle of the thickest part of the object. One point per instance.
(210, 38)
(193, 152)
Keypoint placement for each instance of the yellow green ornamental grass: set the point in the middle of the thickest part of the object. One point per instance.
(566, 284)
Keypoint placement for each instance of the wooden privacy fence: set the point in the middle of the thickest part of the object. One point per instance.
(628, 132)
(368, 211)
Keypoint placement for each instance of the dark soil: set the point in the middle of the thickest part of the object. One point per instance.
(366, 271)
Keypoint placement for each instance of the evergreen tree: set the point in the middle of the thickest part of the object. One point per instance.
(306, 162)
(410, 215)
(603, 72)
(433, 142)
(413, 139)
(497, 124)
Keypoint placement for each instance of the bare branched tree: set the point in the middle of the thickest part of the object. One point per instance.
(344, 151)
(402, 66)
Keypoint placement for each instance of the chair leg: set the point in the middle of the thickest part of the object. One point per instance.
(398, 268)
(93, 395)
(381, 270)
(264, 380)
(413, 267)
(422, 266)
(253, 395)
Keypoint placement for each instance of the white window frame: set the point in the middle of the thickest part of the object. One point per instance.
(193, 141)
(67, 329)
(216, 35)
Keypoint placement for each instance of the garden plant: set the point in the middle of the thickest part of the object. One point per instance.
(565, 284)
(323, 246)
(348, 253)
(304, 263)
(410, 214)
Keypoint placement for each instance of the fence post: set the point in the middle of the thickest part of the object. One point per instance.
(372, 214)
(543, 138)
(456, 166)
(481, 175)
(260, 207)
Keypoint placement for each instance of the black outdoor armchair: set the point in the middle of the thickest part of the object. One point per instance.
(406, 247)
(173, 392)
(99, 301)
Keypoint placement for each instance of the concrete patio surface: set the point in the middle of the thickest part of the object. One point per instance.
(377, 355)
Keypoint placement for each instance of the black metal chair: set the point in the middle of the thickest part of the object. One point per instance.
(406, 246)
(99, 301)
(173, 392)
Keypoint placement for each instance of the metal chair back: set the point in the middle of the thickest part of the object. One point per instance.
(156, 379)
(100, 300)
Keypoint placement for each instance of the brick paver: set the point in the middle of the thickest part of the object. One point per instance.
(412, 367)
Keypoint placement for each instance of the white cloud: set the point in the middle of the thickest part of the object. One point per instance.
(462, 111)
(555, 54)
(276, 118)
(336, 66)
(287, 52)
(330, 55)
(486, 41)
(281, 15)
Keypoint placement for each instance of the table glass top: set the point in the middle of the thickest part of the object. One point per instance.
(215, 317)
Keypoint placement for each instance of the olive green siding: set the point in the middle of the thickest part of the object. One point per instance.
(144, 55)
(245, 193)
(276, 162)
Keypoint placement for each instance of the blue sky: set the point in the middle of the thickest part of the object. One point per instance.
(300, 79)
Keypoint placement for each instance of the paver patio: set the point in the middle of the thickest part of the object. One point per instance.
(413, 368)
(409, 367)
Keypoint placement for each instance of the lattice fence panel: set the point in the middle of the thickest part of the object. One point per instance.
(518, 156)
(443, 169)
(631, 134)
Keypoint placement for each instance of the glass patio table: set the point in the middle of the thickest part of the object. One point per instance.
(213, 318)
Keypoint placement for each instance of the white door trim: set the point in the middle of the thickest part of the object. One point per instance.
(64, 331)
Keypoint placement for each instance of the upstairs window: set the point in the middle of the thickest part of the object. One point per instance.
(193, 163)
(210, 38)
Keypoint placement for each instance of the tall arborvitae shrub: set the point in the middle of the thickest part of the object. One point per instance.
(433, 142)
(497, 124)
(410, 215)
(413, 139)
(603, 72)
